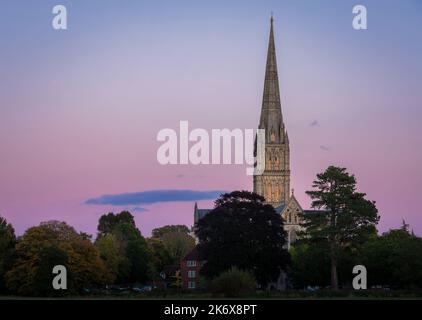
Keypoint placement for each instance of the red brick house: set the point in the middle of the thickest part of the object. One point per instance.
(190, 267)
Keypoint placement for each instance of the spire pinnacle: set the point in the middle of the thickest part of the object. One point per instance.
(271, 115)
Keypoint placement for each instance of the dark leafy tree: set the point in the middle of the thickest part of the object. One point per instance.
(311, 264)
(48, 257)
(245, 232)
(394, 259)
(7, 248)
(347, 219)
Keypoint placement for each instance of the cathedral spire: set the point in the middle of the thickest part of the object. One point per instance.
(271, 116)
(274, 183)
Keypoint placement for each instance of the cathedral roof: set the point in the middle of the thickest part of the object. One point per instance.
(280, 208)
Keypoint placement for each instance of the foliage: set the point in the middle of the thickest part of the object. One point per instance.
(160, 232)
(132, 263)
(108, 222)
(49, 244)
(347, 220)
(176, 240)
(310, 265)
(160, 256)
(177, 280)
(233, 283)
(394, 259)
(245, 232)
(178, 245)
(7, 246)
(112, 255)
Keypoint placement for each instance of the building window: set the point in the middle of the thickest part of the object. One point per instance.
(191, 285)
(191, 263)
(191, 274)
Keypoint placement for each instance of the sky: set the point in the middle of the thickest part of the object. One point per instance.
(80, 108)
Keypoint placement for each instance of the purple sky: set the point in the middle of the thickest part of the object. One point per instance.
(80, 109)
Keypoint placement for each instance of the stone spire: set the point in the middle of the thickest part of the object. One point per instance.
(274, 183)
(271, 116)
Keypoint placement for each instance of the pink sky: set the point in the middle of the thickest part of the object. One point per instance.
(80, 111)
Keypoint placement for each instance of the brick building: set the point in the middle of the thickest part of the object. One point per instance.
(190, 267)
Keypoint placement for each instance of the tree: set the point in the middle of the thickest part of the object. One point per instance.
(160, 256)
(233, 283)
(7, 245)
(49, 244)
(394, 259)
(108, 222)
(310, 264)
(245, 232)
(176, 240)
(178, 245)
(347, 219)
(113, 257)
(160, 232)
(133, 259)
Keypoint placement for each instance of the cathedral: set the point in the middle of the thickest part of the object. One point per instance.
(274, 183)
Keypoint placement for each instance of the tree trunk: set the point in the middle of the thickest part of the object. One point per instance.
(334, 278)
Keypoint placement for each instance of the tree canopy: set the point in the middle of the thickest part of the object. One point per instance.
(245, 232)
(176, 240)
(394, 259)
(123, 248)
(7, 246)
(346, 220)
(49, 244)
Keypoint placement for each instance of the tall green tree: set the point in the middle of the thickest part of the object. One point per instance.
(245, 232)
(7, 246)
(133, 262)
(346, 220)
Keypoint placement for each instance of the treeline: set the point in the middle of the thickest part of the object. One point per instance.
(243, 231)
(393, 261)
(342, 234)
(119, 255)
(242, 247)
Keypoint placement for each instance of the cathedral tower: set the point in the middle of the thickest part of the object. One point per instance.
(274, 183)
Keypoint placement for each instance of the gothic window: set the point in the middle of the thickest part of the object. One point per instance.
(272, 136)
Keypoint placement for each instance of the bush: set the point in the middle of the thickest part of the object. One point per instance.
(233, 283)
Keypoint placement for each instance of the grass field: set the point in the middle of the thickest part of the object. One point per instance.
(287, 295)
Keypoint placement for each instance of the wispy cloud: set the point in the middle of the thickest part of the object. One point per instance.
(325, 148)
(154, 196)
(314, 123)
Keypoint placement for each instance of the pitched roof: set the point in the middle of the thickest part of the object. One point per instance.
(192, 255)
